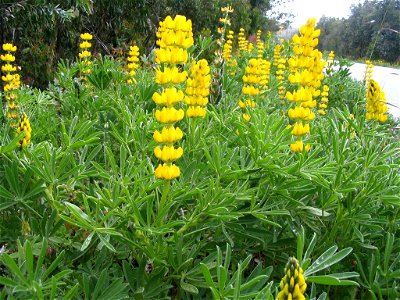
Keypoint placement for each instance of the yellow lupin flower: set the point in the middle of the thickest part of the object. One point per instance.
(9, 47)
(12, 81)
(293, 284)
(170, 75)
(86, 36)
(306, 68)
(174, 36)
(198, 88)
(169, 96)
(7, 57)
(168, 153)
(25, 127)
(168, 135)
(169, 115)
(376, 103)
(167, 171)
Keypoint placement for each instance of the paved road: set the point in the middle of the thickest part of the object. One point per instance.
(388, 79)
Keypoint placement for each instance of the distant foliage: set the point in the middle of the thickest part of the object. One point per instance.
(371, 31)
(47, 30)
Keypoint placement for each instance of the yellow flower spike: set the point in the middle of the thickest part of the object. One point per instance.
(25, 127)
(293, 284)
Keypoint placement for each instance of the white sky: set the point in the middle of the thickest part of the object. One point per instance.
(304, 9)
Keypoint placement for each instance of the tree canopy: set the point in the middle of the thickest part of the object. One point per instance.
(371, 31)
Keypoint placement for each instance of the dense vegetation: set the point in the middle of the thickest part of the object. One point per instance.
(84, 215)
(371, 32)
(47, 30)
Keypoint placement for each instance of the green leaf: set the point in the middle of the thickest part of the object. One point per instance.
(327, 259)
(8, 282)
(81, 218)
(106, 242)
(12, 266)
(87, 241)
(330, 280)
(189, 287)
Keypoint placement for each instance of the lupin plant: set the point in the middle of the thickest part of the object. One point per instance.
(85, 54)
(376, 103)
(293, 285)
(24, 127)
(242, 42)
(231, 62)
(277, 55)
(198, 89)
(368, 71)
(260, 44)
(132, 63)
(330, 61)
(306, 75)
(174, 37)
(323, 105)
(11, 80)
(280, 72)
(253, 83)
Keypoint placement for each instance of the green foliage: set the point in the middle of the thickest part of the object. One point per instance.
(80, 207)
(371, 32)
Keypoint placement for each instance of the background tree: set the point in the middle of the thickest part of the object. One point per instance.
(371, 31)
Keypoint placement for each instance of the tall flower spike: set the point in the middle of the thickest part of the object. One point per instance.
(331, 59)
(12, 81)
(306, 68)
(242, 41)
(368, 72)
(323, 105)
(293, 285)
(198, 89)
(376, 103)
(85, 54)
(132, 63)
(174, 37)
(25, 127)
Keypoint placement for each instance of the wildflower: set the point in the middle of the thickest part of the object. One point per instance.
(227, 9)
(280, 76)
(86, 36)
(376, 103)
(7, 57)
(12, 81)
(331, 59)
(293, 285)
(368, 72)
(85, 54)
(174, 36)
(323, 105)
(25, 127)
(242, 41)
(132, 63)
(167, 171)
(306, 68)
